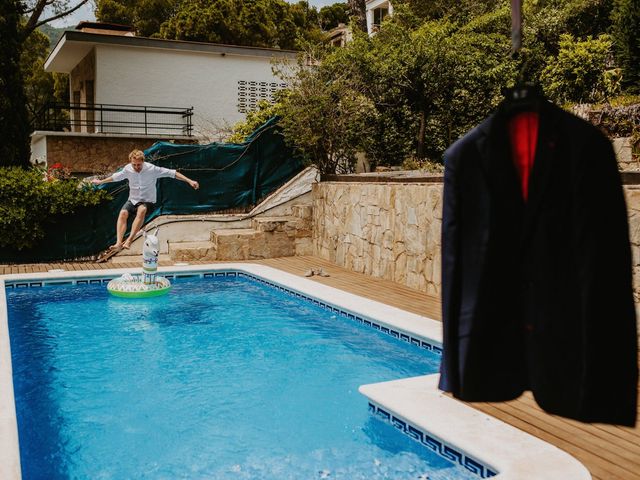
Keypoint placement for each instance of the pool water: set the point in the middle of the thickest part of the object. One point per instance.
(222, 378)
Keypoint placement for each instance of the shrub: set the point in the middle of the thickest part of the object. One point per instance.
(29, 204)
(626, 35)
(255, 118)
(580, 73)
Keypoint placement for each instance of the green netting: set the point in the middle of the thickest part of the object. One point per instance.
(230, 176)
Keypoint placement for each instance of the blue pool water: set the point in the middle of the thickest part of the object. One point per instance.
(223, 378)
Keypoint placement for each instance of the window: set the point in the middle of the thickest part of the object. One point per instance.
(250, 93)
(379, 14)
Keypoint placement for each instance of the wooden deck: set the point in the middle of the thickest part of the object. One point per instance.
(609, 452)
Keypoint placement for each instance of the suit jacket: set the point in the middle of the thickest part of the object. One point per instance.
(538, 295)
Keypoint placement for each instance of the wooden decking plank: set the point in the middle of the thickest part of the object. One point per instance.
(627, 456)
(626, 435)
(599, 467)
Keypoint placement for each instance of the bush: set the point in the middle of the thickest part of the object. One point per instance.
(31, 200)
(580, 73)
(255, 118)
(326, 119)
(626, 35)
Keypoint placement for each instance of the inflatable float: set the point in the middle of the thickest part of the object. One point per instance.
(149, 284)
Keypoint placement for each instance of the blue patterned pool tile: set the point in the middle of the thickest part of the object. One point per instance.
(414, 433)
(399, 424)
(446, 451)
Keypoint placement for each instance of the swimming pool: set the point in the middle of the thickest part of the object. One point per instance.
(162, 354)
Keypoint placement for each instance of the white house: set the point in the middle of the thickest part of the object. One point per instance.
(377, 11)
(143, 89)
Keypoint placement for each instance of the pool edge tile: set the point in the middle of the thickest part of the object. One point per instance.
(482, 439)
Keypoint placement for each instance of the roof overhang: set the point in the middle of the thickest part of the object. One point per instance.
(67, 54)
(74, 45)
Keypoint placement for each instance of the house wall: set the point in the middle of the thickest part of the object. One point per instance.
(81, 79)
(170, 78)
(392, 230)
(39, 151)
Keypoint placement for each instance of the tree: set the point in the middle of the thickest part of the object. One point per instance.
(453, 9)
(429, 82)
(18, 20)
(34, 10)
(358, 11)
(326, 120)
(40, 87)
(332, 15)
(626, 36)
(260, 23)
(14, 124)
(579, 72)
(146, 16)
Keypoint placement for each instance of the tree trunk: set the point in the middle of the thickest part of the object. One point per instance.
(14, 123)
(358, 10)
(421, 132)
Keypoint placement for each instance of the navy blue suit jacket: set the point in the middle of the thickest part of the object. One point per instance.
(537, 295)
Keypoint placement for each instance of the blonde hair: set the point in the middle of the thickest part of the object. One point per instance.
(136, 154)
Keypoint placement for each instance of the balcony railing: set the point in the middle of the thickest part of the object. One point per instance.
(122, 119)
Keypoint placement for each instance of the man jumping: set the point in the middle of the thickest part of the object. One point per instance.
(142, 179)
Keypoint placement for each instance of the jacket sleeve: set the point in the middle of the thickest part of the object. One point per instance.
(601, 239)
(450, 242)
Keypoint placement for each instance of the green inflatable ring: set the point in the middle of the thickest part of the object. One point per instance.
(133, 287)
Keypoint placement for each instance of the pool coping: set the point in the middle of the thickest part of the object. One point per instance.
(413, 405)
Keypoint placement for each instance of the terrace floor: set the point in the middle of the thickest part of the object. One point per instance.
(609, 452)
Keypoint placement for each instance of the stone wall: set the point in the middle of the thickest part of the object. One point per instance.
(92, 153)
(632, 195)
(387, 230)
(627, 161)
(392, 230)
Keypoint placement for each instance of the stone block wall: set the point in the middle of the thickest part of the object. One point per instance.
(623, 148)
(392, 230)
(93, 154)
(387, 230)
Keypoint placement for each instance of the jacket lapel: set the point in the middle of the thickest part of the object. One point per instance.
(500, 173)
(495, 151)
(542, 167)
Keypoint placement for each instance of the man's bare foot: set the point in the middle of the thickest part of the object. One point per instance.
(116, 246)
(126, 245)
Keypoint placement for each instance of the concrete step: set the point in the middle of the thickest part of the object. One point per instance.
(191, 251)
(274, 224)
(233, 243)
(248, 244)
(303, 211)
(269, 237)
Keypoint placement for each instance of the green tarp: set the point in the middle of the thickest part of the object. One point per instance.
(230, 176)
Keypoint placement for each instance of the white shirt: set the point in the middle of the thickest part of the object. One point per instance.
(142, 186)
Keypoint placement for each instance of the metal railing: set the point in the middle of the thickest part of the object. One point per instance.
(123, 119)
